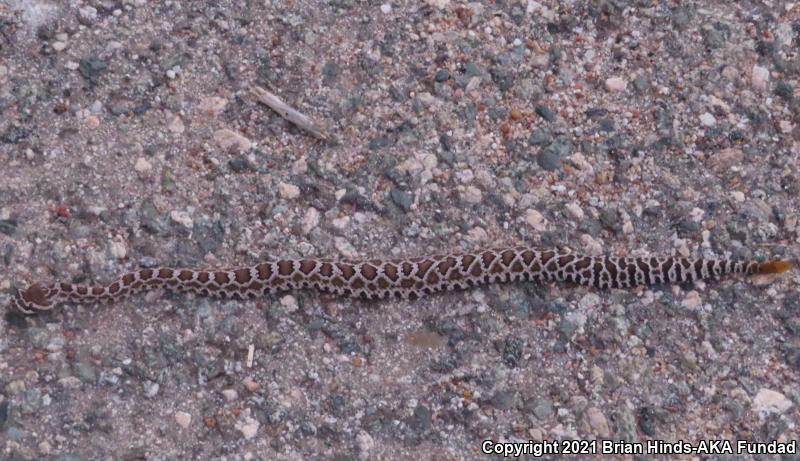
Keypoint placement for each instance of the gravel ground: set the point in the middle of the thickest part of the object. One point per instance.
(128, 139)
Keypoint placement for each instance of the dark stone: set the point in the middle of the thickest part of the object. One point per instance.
(546, 113)
(442, 75)
(548, 160)
(502, 77)
(610, 219)
(14, 134)
(421, 420)
(540, 137)
(511, 349)
(8, 226)
(379, 143)
(502, 400)
(607, 125)
(402, 199)
(91, 69)
(330, 71)
(241, 164)
(784, 90)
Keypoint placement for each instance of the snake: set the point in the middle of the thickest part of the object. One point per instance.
(409, 278)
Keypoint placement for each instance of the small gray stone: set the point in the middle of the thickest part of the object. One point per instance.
(8, 226)
(442, 75)
(549, 160)
(542, 409)
(402, 199)
(546, 113)
(91, 69)
(86, 372)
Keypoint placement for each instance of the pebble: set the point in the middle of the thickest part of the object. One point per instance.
(212, 105)
(759, 77)
(230, 140)
(725, 159)
(59, 46)
(230, 395)
(182, 217)
(247, 426)
(289, 303)
(597, 422)
(596, 374)
(574, 210)
(692, 301)
(176, 125)
(151, 388)
(69, 382)
(589, 301)
(472, 195)
(402, 199)
(737, 196)
(183, 419)
(250, 384)
(310, 220)
(288, 191)
(535, 220)
(549, 160)
(768, 402)
(708, 120)
(3, 71)
(118, 248)
(616, 84)
(386, 8)
(365, 444)
(142, 165)
(440, 4)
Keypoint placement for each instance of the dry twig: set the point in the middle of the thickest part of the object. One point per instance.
(289, 113)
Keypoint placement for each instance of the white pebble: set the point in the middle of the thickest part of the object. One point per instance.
(183, 419)
(365, 444)
(616, 84)
(535, 219)
(118, 248)
(598, 422)
(250, 384)
(310, 220)
(768, 402)
(692, 301)
(289, 303)
(229, 139)
(59, 46)
(386, 8)
(737, 196)
(440, 4)
(212, 105)
(176, 125)
(230, 395)
(248, 427)
(182, 217)
(759, 77)
(589, 301)
(288, 191)
(142, 165)
(472, 195)
(708, 120)
(574, 210)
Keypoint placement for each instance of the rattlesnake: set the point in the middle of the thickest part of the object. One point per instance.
(404, 278)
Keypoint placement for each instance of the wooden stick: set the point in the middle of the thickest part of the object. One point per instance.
(289, 113)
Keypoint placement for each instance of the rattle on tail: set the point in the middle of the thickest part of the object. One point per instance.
(407, 279)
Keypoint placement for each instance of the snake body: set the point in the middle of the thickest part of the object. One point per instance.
(402, 278)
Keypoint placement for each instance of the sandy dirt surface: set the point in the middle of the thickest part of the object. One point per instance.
(128, 139)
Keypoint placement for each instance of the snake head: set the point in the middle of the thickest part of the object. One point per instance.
(35, 298)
